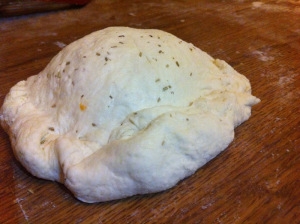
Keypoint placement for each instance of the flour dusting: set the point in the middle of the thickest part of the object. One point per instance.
(23, 211)
(262, 56)
(257, 4)
(60, 44)
(284, 80)
(203, 207)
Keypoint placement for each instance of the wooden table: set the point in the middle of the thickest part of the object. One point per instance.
(255, 180)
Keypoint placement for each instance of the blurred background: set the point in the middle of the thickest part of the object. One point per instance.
(9, 8)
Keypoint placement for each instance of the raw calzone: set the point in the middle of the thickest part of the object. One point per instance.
(125, 111)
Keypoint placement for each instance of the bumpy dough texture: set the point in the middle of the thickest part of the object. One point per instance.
(125, 111)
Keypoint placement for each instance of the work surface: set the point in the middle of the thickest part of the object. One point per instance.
(255, 180)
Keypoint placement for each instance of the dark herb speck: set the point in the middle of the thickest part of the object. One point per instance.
(43, 140)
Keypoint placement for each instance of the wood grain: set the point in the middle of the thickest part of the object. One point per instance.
(255, 180)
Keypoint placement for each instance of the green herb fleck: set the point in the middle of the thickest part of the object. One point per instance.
(177, 63)
(43, 140)
(131, 121)
(58, 75)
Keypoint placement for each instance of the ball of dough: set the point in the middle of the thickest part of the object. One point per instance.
(125, 111)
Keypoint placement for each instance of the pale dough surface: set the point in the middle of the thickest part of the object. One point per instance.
(125, 111)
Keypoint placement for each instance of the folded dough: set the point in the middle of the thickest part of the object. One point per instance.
(125, 111)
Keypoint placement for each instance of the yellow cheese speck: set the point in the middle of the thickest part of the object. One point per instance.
(82, 107)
